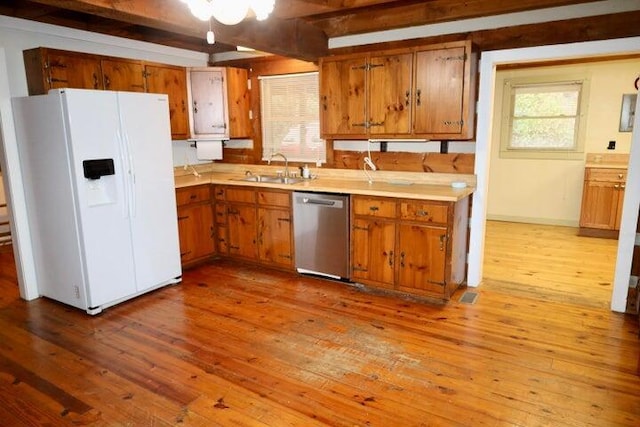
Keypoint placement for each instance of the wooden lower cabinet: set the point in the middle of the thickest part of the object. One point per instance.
(255, 225)
(373, 249)
(412, 246)
(602, 199)
(195, 224)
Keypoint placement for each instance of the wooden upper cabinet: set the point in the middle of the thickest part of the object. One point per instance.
(52, 69)
(207, 88)
(171, 80)
(55, 69)
(238, 103)
(390, 94)
(440, 102)
(420, 92)
(123, 75)
(342, 96)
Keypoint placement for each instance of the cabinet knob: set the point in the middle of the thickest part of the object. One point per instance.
(620, 175)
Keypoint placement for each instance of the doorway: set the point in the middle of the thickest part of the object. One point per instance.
(534, 199)
(490, 60)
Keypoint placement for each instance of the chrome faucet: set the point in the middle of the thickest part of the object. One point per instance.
(286, 162)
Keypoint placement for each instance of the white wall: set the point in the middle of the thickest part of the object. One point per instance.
(550, 191)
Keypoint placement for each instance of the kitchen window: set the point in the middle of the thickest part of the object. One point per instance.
(291, 118)
(543, 118)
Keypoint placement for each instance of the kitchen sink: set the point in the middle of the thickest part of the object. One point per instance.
(271, 179)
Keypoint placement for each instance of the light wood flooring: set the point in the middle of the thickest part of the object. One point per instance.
(241, 346)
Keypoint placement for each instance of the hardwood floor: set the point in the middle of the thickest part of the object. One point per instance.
(236, 345)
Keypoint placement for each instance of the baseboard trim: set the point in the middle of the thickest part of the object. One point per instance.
(534, 220)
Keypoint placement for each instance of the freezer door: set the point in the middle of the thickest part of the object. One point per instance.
(47, 182)
(154, 225)
(101, 203)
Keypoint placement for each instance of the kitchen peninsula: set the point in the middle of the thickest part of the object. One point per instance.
(408, 230)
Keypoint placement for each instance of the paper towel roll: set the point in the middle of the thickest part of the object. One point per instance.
(209, 149)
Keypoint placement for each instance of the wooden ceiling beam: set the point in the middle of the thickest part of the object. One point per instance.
(309, 8)
(292, 38)
(427, 12)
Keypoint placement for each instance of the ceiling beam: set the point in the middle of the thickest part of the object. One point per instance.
(292, 38)
(427, 12)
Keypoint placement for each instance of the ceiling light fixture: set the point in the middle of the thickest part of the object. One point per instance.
(228, 12)
(211, 38)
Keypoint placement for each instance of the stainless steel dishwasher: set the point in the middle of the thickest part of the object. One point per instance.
(321, 230)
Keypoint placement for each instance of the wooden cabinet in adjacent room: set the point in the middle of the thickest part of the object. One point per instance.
(602, 198)
(412, 246)
(195, 224)
(420, 92)
(171, 80)
(255, 224)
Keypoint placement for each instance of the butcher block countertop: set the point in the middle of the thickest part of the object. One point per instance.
(607, 161)
(413, 185)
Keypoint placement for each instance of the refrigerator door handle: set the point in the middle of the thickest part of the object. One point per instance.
(125, 176)
(132, 175)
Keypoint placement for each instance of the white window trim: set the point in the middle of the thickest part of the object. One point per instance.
(577, 153)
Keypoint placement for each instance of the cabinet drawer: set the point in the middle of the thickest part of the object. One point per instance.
(187, 195)
(221, 213)
(274, 198)
(374, 207)
(423, 212)
(240, 195)
(604, 174)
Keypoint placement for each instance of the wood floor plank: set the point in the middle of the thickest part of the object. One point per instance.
(236, 345)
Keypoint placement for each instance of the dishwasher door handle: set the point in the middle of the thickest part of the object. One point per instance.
(323, 202)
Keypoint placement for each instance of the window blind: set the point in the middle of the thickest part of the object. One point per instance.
(290, 117)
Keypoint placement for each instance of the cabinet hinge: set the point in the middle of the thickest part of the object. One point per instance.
(355, 227)
(359, 269)
(370, 66)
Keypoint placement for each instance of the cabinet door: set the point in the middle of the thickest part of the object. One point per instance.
(274, 236)
(421, 258)
(208, 102)
(173, 82)
(599, 201)
(73, 71)
(390, 94)
(195, 227)
(123, 75)
(619, 203)
(241, 220)
(372, 243)
(439, 91)
(238, 103)
(342, 97)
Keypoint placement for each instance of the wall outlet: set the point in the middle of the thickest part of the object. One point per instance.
(612, 145)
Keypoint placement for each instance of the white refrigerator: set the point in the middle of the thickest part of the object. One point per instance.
(98, 177)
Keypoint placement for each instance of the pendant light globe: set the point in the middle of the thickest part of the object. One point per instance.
(201, 9)
(262, 8)
(229, 12)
